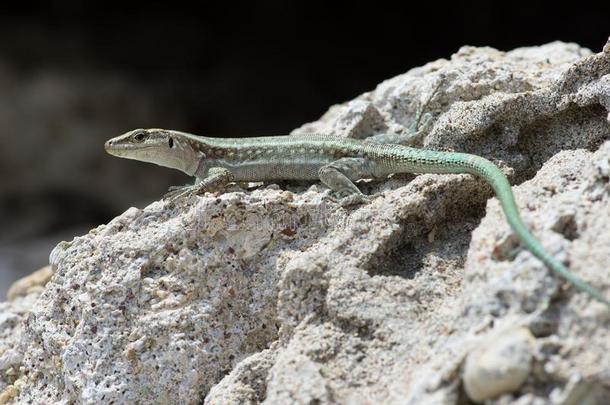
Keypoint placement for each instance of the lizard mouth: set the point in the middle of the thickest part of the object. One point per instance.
(119, 149)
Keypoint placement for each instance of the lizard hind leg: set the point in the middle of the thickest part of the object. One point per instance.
(420, 125)
(339, 176)
(421, 122)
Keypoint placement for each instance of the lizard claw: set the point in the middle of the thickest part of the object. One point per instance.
(178, 188)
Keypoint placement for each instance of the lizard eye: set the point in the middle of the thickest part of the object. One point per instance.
(140, 136)
(170, 142)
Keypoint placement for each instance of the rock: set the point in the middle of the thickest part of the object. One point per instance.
(358, 119)
(499, 365)
(26, 285)
(285, 297)
(8, 394)
(13, 316)
(9, 358)
(247, 382)
(582, 391)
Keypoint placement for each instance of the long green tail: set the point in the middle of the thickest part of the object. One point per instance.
(492, 174)
(424, 161)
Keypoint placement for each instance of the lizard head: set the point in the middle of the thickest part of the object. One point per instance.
(158, 146)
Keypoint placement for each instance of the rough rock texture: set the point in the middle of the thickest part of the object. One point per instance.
(284, 297)
(12, 317)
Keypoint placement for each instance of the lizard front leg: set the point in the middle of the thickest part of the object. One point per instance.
(216, 178)
(339, 176)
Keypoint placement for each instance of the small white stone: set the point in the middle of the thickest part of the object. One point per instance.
(58, 252)
(499, 365)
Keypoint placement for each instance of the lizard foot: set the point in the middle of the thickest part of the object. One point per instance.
(177, 188)
(355, 199)
(176, 193)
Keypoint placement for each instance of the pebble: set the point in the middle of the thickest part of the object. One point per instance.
(500, 364)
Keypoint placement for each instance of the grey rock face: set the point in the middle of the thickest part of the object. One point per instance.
(285, 297)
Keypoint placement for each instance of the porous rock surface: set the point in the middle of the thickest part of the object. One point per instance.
(282, 297)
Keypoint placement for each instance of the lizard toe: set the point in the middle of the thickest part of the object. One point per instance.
(354, 199)
(177, 193)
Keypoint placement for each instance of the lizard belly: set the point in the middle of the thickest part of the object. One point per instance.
(297, 169)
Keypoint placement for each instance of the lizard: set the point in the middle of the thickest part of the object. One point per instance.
(335, 161)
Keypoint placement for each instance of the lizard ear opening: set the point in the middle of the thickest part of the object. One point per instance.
(170, 142)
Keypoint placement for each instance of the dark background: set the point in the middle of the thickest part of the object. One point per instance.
(73, 74)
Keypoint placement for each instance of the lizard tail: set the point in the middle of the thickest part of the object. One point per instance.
(420, 161)
(494, 176)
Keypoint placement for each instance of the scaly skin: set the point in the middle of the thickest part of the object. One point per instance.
(337, 162)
